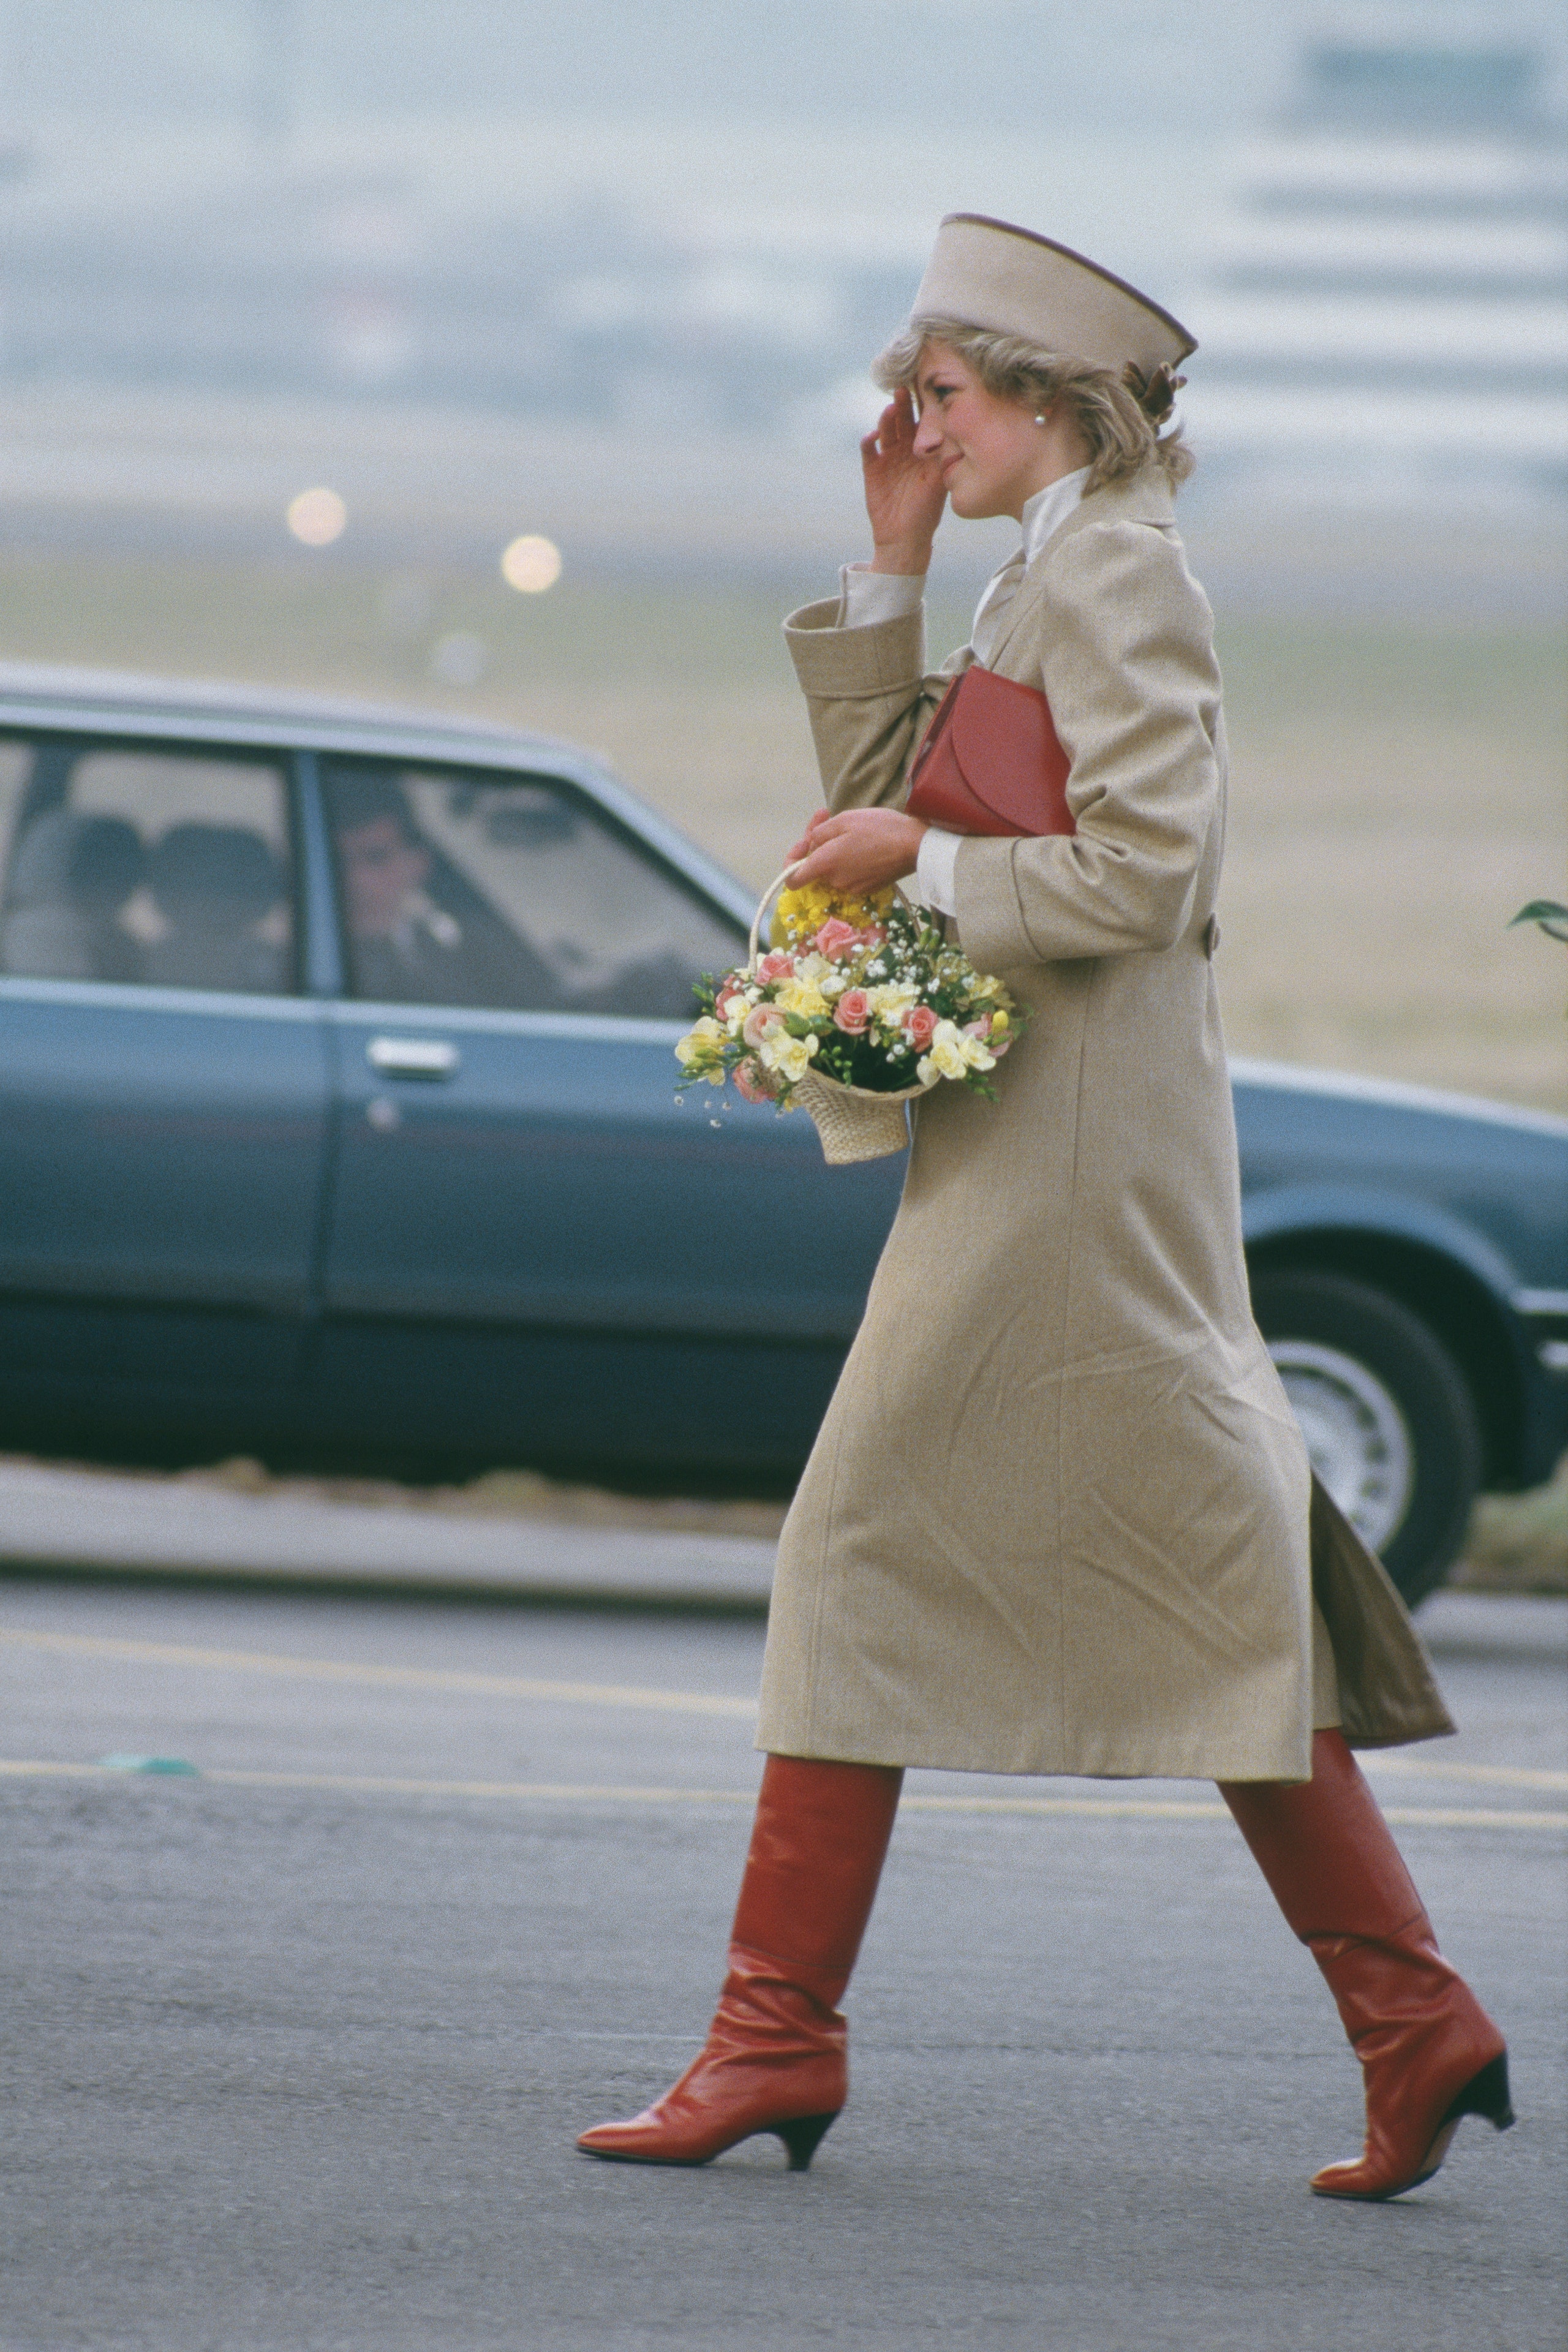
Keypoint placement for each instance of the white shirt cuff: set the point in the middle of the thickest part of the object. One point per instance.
(872, 596)
(936, 869)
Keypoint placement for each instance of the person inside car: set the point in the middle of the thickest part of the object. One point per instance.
(401, 945)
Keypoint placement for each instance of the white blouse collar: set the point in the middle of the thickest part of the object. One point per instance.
(1050, 508)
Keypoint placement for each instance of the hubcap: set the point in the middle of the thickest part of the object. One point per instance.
(1357, 1440)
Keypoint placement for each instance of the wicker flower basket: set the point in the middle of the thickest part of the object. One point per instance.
(854, 1122)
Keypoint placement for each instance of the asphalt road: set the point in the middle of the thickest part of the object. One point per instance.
(294, 2050)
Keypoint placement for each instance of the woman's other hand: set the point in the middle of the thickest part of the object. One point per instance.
(861, 850)
(904, 494)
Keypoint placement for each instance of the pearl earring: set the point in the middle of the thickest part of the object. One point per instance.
(1039, 420)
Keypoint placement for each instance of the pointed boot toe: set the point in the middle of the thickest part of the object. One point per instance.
(729, 2094)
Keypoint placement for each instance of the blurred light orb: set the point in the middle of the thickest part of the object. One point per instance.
(316, 517)
(531, 564)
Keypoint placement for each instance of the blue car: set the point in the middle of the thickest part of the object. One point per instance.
(337, 1121)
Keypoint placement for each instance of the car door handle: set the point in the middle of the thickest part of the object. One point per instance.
(413, 1057)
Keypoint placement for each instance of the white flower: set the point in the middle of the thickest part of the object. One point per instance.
(891, 1004)
(790, 1056)
(946, 1057)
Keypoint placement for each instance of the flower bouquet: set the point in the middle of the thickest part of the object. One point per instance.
(861, 1007)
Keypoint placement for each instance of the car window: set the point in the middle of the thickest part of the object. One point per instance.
(462, 887)
(159, 867)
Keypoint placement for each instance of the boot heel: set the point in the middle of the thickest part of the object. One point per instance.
(1485, 2094)
(802, 2138)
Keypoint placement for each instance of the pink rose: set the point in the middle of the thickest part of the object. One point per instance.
(852, 1012)
(873, 936)
(920, 1026)
(836, 937)
(752, 1083)
(981, 1029)
(725, 998)
(777, 966)
(761, 1022)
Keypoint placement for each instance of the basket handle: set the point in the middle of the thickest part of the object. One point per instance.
(763, 903)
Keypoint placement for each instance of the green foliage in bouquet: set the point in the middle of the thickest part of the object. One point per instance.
(866, 991)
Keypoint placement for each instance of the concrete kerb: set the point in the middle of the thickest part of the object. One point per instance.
(95, 1526)
(65, 1523)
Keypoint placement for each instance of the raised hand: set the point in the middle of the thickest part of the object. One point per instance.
(904, 493)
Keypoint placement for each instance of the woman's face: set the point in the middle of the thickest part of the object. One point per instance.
(992, 455)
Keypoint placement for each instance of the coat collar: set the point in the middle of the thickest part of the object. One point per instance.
(1147, 497)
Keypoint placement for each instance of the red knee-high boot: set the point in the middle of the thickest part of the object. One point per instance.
(775, 2058)
(1429, 2052)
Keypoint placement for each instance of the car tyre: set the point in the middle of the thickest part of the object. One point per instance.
(1388, 1417)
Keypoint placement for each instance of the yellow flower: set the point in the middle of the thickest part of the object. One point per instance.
(700, 1045)
(802, 997)
(892, 1002)
(790, 1056)
(802, 912)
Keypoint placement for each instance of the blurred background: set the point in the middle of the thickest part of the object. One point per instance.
(309, 315)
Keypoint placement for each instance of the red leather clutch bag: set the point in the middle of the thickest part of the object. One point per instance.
(990, 762)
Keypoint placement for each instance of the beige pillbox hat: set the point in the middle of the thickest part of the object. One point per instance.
(986, 273)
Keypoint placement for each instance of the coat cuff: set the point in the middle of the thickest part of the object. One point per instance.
(839, 664)
(991, 928)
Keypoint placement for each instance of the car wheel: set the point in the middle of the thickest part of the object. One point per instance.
(1389, 1421)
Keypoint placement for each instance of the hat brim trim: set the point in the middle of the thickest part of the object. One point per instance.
(1032, 237)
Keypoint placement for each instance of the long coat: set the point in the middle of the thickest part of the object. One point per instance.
(1059, 1517)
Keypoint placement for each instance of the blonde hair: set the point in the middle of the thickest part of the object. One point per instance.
(1122, 433)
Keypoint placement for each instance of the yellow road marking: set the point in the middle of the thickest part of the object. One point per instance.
(1505, 1776)
(578, 1792)
(626, 1695)
(337, 1670)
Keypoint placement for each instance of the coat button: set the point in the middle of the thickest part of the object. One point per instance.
(1210, 936)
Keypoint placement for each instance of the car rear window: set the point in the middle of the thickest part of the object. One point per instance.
(151, 866)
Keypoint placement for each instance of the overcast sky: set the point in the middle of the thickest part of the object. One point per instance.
(1189, 68)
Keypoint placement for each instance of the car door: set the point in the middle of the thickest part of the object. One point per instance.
(163, 1085)
(533, 1245)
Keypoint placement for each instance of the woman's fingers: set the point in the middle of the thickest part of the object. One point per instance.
(862, 849)
(808, 838)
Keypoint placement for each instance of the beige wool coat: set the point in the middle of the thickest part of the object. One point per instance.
(1059, 1517)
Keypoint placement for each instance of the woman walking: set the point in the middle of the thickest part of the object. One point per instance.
(1060, 1518)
